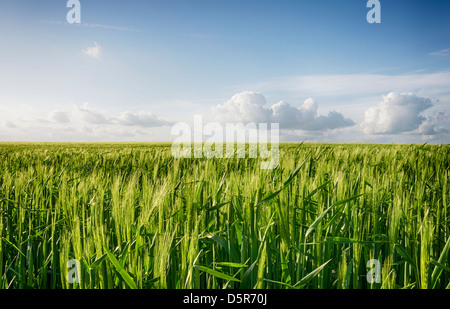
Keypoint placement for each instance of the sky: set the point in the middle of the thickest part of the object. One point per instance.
(131, 70)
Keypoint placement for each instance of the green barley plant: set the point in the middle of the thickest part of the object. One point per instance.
(135, 217)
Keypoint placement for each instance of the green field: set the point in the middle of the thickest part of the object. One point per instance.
(135, 217)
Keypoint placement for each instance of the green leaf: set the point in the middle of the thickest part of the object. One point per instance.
(13, 245)
(215, 207)
(322, 215)
(224, 244)
(409, 286)
(285, 184)
(279, 282)
(124, 254)
(230, 264)
(294, 173)
(335, 216)
(120, 270)
(246, 280)
(342, 240)
(346, 200)
(317, 221)
(216, 273)
(346, 240)
(219, 190)
(85, 263)
(98, 261)
(317, 189)
(270, 197)
(305, 280)
(403, 253)
(348, 275)
(439, 264)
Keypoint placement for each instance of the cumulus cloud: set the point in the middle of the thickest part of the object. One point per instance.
(245, 107)
(431, 127)
(305, 117)
(250, 107)
(399, 113)
(93, 51)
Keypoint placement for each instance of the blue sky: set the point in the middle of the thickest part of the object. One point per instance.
(130, 69)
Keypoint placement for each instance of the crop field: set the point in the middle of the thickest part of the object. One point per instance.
(123, 215)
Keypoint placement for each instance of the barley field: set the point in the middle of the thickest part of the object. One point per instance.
(122, 215)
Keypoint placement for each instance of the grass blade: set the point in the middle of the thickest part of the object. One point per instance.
(294, 173)
(120, 270)
(403, 253)
(230, 264)
(216, 273)
(98, 261)
(439, 264)
(322, 215)
(305, 280)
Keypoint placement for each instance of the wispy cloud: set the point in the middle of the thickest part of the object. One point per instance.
(441, 53)
(93, 51)
(354, 84)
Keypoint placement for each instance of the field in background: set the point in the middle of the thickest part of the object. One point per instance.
(135, 217)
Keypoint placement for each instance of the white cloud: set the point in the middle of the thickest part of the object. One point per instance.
(305, 117)
(93, 51)
(400, 113)
(404, 118)
(431, 127)
(249, 107)
(90, 115)
(85, 123)
(93, 116)
(292, 116)
(243, 107)
(143, 119)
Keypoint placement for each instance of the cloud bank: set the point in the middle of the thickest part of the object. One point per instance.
(395, 117)
(85, 123)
